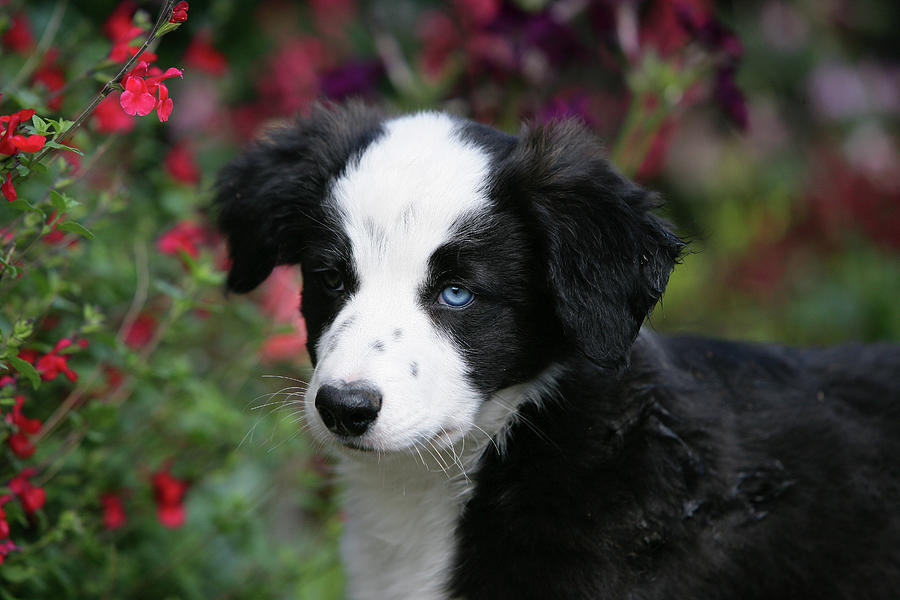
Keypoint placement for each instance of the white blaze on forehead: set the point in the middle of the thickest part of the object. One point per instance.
(399, 202)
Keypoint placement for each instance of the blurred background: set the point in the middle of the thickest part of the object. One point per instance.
(155, 449)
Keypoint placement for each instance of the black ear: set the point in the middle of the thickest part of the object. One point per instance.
(606, 256)
(269, 197)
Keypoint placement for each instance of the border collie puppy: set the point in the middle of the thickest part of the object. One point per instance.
(505, 427)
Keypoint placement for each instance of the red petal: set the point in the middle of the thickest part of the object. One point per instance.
(32, 143)
(9, 192)
(171, 515)
(20, 445)
(164, 109)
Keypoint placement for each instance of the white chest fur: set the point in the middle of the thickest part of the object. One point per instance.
(399, 535)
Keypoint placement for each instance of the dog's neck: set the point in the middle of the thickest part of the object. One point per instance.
(402, 509)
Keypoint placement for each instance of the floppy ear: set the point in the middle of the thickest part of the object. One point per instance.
(270, 196)
(607, 258)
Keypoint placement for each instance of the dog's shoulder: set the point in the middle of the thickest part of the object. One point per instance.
(694, 466)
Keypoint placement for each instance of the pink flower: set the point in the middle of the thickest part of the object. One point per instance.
(141, 84)
(165, 104)
(136, 100)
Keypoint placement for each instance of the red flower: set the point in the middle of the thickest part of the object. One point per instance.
(181, 166)
(165, 105)
(31, 497)
(10, 143)
(333, 16)
(18, 37)
(120, 21)
(136, 100)
(121, 30)
(9, 192)
(169, 493)
(113, 511)
(179, 12)
(109, 118)
(5, 548)
(441, 39)
(53, 79)
(291, 81)
(122, 48)
(20, 445)
(283, 347)
(141, 331)
(184, 237)
(25, 425)
(477, 13)
(4, 526)
(201, 55)
(51, 364)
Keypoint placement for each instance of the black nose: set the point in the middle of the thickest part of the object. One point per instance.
(348, 409)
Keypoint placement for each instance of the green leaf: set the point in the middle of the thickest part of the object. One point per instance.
(22, 205)
(25, 368)
(17, 573)
(41, 126)
(23, 170)
(63, 202)
(73, 227)
(64, 147)
(61, 125)
(167, 28)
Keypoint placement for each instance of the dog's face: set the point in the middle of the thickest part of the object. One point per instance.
(442, 262)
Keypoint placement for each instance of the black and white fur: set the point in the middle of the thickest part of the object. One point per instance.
(537, 443)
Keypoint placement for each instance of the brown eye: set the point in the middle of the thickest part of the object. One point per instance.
(332, 280)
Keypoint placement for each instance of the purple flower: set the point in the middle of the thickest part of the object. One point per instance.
(561, 107)
(730, 99)
(351, 79)
(710, 32)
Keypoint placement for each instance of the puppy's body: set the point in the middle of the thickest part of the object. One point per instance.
(474, 301)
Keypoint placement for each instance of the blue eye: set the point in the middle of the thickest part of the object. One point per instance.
(455, 296)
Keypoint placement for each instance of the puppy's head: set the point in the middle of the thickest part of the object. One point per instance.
(442, 261)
